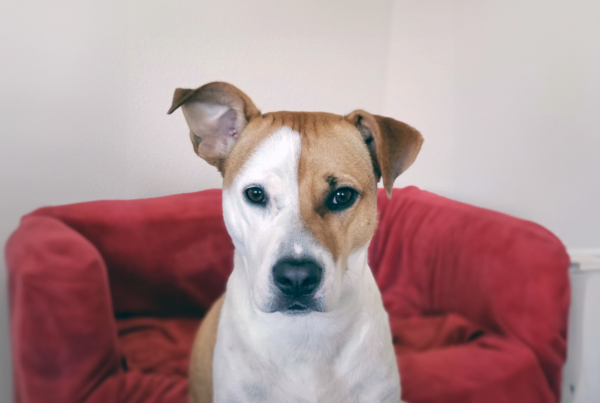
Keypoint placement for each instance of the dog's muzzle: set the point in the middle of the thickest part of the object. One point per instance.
(297, 281)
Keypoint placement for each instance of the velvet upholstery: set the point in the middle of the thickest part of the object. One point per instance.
(105, 298)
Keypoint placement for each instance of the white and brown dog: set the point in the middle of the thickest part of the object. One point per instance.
(302, 319)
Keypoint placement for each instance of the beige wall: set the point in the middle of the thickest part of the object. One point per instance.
(505, 92)
(507, 95)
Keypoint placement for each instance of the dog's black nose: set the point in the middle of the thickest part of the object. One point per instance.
(297, 278)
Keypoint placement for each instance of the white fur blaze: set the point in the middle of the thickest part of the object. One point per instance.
(258, 232)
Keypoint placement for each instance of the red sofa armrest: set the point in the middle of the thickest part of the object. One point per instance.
(62, 322)
(435, 256)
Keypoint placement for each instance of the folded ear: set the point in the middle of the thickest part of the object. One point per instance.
(393, 145)
(216, 113)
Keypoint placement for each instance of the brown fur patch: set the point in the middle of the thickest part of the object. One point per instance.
(334, 155)
(201, 361)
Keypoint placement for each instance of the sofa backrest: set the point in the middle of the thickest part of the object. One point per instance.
(165, 256)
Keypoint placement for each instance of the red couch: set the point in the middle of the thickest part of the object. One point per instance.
(105, 298)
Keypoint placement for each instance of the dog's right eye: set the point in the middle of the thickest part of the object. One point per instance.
(341, 199)
(255, 195)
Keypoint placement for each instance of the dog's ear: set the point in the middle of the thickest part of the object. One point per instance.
(393, 145)
(216, 113)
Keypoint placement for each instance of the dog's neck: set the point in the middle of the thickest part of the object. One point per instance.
(278, 335)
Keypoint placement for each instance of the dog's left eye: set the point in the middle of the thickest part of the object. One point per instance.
(255, 195)
(341, 199)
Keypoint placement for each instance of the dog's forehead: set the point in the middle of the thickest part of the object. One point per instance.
(328, 141)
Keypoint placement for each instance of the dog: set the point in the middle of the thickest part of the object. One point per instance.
(302, 318)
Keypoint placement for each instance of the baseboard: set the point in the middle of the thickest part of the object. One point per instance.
(585, 259)
(584, 251)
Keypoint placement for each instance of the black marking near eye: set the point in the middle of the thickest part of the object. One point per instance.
(332, 181)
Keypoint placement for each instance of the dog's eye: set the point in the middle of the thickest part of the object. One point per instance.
(341, 198)
(255, 195)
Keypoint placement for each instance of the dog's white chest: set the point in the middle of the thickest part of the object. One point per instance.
(248, 378)
(310, 359)
(262, 381)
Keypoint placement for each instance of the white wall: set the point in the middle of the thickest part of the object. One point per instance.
(85, 87)
(506, 94)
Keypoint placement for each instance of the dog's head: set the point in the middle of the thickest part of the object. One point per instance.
(299, 189)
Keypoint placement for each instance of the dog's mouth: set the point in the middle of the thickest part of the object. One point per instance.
(298, 307)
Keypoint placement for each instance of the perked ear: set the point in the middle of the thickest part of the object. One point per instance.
(393, 145)
(216, 113)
